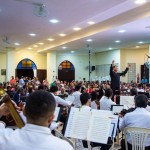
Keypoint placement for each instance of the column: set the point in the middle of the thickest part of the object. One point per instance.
(10, 63)
(51, 66)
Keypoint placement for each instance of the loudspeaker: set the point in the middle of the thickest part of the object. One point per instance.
(93, 68)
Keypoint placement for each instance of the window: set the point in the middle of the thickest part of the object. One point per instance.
(66, 65)
(132, 72)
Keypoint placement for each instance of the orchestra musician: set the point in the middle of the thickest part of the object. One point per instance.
(35, 134)
(139, 117)
(85, 99)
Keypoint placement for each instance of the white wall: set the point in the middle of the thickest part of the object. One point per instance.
(39, 59)
(132, 56)
(2, 65)
(107, 57)
(80, 62)
(51, 66)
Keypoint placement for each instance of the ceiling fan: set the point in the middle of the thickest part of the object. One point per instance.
(39, 10)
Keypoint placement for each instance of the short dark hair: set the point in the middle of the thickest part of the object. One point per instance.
(77, 87)
(84, 98)
(141, 101)
(41, 87)
(39, 106)
(133, 91)
(93, 96)
(53, 88)
(108, 92)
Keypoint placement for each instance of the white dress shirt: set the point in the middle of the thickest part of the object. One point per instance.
(61, 101)
(105, 103)
(31, 137)
(140, 118)
(77, 102)
(93, 105)
(21, 82)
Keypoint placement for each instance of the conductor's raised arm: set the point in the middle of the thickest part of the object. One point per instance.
(111, 68)
(125, 71)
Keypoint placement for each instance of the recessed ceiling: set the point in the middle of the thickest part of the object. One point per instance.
(19, 22)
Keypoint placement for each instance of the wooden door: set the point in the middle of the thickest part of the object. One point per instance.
(25, 73)
(41, 74)
(66, 75)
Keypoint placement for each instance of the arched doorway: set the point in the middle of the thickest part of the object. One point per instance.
(27, 68)
(66, 71)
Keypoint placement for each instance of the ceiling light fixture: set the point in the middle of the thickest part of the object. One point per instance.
(17, 44)
(137, 47)
(141, 42)
(91, 22)
(51, 39)
(54, 21)
(76, 28)
(117, 41)
(140, 1)
(35, 46)
(62, 34)
(72, 51)
(41, 43)
(110, 48)
(122, 31)
(29, 48)
(89, 40)
(32, 34)
(64, 47)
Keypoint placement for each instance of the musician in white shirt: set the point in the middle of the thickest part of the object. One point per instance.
(140, 118)
(85, 99)
(39, 110)
(105, 101)
(77, 94)
(58, 99)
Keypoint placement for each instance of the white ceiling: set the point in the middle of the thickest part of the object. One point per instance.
(17, 21)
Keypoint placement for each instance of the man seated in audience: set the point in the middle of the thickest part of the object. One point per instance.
(138, 118)
(77, 94)
(58, 100)
(105, 101)
(86, 103)
(39, 110)
(140, 88)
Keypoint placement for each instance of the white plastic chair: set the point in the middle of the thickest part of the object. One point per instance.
(138, 137)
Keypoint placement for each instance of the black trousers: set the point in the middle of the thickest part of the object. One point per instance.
(103, 146)
(123, 146)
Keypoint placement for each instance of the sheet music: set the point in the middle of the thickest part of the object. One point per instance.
(99, 126)
(113, 129)
(56, 113)
(117, 108)
(78, 123)
(127, 101)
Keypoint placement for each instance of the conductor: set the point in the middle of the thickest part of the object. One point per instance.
(115, 76)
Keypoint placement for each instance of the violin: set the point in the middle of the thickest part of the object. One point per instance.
(14, 114)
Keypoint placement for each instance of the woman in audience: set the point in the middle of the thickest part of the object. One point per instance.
(105, 101)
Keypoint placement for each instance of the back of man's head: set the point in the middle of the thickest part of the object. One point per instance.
(84, 98)
(133, 91)
(141, 101)
(40, 106)
(77, 87)
(53, 89)
(108, 93)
